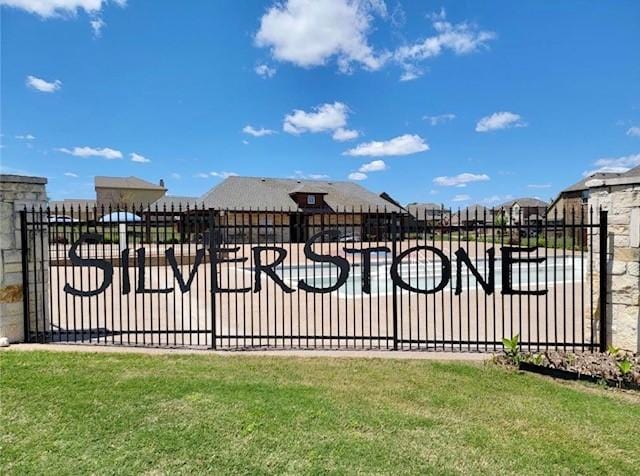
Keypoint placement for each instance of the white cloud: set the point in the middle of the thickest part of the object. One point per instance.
(341, 134)
(357, 176)
(460, 180)
(248, 129)
(223, 175)
(461, 198)
(310, 33)
(176, 176)
(245, 141)
(410, 73)
(70, 174)
(201, 175)
(265, 71)
(401, 145)
(66, 9)
(615, 165)
(539, 185)
(634, 131)
(499, 120)
(460, 38)
(26, 137)
(326, 117)
(105, 153)
(139, 158)
(373, 166)
(42, 85)
(97, 24)
(496, 199)
(439, 119)
(299, 174)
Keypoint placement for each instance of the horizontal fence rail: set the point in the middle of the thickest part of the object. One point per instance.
(358, 278)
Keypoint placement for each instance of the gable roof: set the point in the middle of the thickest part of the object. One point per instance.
(582, 183)
(527, 202)
(180, 203)
(131, 182)
(275, 194)
(418, 210)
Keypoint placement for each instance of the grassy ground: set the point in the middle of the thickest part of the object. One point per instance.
(125, 413)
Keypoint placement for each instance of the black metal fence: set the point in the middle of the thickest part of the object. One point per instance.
(237, 279)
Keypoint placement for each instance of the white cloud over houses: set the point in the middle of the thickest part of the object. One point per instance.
(66, 9)
(634, 131)
(223, 175)
(459, 38)
(265, 71)
(373, 166)
(105, 152)
(402, 145)
(71, 175)
(299, 174)
(539, 185)
(439, 119)
(460, 180)
(343, 135)
(54, 8)
(323, 118)
(310, 33)
(499, 120)
(357, 176)
(25, 137)
(461, 198)
(141, 159)
(257, 132)
(43, 85)
(615, 165)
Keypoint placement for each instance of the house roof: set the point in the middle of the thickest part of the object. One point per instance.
(418, 210)
(527, 202)
(258, 193)
(133, 183)
(582, 183)
(472, 212)
(181, 203)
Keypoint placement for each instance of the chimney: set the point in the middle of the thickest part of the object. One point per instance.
(162, 183)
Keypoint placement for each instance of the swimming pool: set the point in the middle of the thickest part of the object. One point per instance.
(428, 274)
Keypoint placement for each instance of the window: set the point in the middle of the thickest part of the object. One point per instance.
(311, 199)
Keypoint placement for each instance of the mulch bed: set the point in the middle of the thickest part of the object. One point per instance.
(597, 367)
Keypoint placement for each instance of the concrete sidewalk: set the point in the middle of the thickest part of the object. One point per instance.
(362, 354)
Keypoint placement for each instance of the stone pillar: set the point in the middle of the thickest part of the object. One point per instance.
(16, 192)
(621, 199)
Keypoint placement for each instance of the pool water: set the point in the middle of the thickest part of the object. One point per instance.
(428, 274)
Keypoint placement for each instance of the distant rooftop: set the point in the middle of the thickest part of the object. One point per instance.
(134, 183)
(259, 193)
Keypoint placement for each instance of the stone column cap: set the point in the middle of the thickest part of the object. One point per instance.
(10, 178)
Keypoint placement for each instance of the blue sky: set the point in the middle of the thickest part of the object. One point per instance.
(452, 102)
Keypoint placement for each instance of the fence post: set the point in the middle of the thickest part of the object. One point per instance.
(603, 280)
(212, 266)
(24, 247)
(394, 285)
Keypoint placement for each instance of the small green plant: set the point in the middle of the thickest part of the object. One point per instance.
(538, 359)
(511, 348)
(613, 351)
(625, 367)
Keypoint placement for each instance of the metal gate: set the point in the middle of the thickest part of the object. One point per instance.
(339, 279)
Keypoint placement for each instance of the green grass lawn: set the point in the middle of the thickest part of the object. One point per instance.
(186, 414)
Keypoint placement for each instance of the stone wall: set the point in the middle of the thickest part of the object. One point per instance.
(621, 199)
(16, 192)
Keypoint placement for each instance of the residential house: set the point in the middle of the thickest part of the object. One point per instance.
(80, 209)
(126, 191)
(279, 210)
(472, 217)
(524, 211)
(427, 215)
